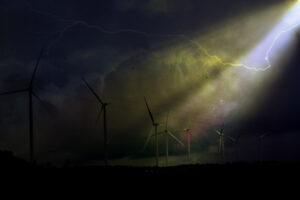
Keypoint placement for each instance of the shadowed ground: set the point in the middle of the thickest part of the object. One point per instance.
(212, 172)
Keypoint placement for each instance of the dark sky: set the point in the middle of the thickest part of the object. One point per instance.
(128, 49)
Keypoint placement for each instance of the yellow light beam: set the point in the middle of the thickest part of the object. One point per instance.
(181, 36)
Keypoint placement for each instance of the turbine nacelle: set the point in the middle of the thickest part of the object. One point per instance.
(188, 131)
(220, 133)
(105, 104)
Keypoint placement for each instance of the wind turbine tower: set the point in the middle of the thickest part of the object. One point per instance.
(155, 124)
(31, 94)
(235, 141)
(188, 133)
(168, 133)
(103, 109)
(260, 141)
(221, 142)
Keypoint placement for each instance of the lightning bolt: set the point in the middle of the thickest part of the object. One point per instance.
(74, 22)
(276, 38)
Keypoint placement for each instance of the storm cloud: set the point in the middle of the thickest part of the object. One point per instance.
(131, 49)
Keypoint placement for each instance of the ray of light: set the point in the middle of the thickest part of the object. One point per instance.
(277, 39)
(262, 51)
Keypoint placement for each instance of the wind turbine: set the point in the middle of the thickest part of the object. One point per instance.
(235, 141)
(221, 141)
(155, 124)
(188, 133)
(168, 133)
(31, 93)
(103, 109)
(260, 140)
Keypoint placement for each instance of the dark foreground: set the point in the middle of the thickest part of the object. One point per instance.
(10, 165)
(211, 179)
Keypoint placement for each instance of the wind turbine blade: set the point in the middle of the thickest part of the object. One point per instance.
(14, 92)
(167, 121)
(264, 135)
(178, 131)
(147, 140)
(93, 92)
(175, 138)
(36, 67)
(151, 116)
(160, 133)
(99, 114)
(47, 106)
(39, 99)
(218, 132)
(231, 138)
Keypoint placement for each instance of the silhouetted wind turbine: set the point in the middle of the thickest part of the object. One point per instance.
(235, 141)
(260, 140)
(155, 135)
(188, 133)
(103, 109)
(221, 141)
(168, 133)
(30, 94)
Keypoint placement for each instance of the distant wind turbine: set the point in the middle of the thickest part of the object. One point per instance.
(260, 141)
(235, 141)
(221, 141)
(31, 93)
(155, 124)
(103, 109)
(188, 133)
(168, 133)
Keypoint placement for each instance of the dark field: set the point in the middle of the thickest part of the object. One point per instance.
(260, 170)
